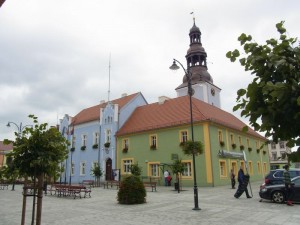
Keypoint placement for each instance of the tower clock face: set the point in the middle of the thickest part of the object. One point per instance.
(212, 91)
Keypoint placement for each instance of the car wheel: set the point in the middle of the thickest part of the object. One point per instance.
(278, 197)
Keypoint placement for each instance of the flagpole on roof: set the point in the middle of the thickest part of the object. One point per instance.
(109, 78)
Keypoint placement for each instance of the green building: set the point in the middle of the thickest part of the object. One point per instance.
(154, 133)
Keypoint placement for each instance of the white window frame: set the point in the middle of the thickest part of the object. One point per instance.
(96, 138)
(126, 166)
(187, 169)
(72, 168)
(83, 139)
(83, 168)
(107, 135)
(154, 170)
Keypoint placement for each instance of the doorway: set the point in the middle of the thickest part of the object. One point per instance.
(108, 169)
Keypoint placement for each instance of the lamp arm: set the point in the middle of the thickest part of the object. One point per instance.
(185, 71)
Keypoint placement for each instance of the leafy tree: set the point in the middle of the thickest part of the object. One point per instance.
(273, 96)
(136, 170)
(38, 151)
(177, 168)
(294, 156)
(97, 173)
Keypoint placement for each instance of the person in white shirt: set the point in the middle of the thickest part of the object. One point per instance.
(166, 174)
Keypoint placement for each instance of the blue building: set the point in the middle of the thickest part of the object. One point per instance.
(92, 136)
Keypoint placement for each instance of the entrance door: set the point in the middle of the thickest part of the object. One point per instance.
(108, 175)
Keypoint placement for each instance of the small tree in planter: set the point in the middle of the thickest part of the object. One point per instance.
(177, 168)
(97, 173)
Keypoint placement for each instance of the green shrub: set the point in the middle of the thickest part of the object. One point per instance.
(131, 191)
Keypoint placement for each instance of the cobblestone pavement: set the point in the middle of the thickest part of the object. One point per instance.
(166, 206)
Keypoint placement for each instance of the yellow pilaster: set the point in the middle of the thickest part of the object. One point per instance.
(207, 153)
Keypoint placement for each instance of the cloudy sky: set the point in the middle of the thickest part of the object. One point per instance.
(54, 54)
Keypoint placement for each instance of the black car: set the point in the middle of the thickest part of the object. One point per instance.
(276, 176)
(276, 192)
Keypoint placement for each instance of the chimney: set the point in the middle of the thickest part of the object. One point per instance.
(162, 99)
(124, 95)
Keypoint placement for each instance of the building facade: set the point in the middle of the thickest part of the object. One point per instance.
(278, 154)
(91, 134)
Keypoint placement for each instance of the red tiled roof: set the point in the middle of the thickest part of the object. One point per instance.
(93, 113)
(177, 112)
(4, 147)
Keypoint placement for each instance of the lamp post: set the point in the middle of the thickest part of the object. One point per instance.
(20, 129)
(71, 165)
(189, 75)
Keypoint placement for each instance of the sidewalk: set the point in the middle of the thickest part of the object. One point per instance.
(218, 206)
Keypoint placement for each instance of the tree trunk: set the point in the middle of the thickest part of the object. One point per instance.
(39, 200)
(24, 201)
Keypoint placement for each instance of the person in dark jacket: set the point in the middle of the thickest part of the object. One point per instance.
(288, 185)
(242, 184)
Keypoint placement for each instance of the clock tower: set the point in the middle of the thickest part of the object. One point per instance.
(202, 82)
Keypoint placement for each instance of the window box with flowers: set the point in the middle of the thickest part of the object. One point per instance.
(181, 143)
(222, 143)
(72, 149)
(233, 146)
(106, 144)
(242, 147)
(153, 147)
(83, 147)
(249, 149)
(257, 150)
(264, 152)
(95, 146)
(125, 150)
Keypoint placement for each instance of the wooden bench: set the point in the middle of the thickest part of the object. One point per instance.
(150, 184)
(91, 183)
(70, 190)
(3, 186)
(111, 183)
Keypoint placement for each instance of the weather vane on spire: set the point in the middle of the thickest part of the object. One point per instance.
(192, 13)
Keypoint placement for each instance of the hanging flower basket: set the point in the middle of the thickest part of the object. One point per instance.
(83, 147)
(95, 146)
(257, 150)
(249, 149)
(125, 150)
(190, 148)
(72, 149)
(242, 147)
(233, 146)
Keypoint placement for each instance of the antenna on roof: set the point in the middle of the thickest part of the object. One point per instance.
(109, 79)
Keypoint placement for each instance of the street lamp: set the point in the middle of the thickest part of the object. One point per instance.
(20, 130)
(71, 165)
(20, 127)
(189, 75)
